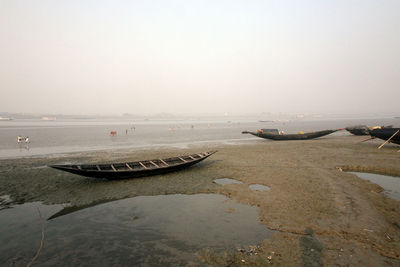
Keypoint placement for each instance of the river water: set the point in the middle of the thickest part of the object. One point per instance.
(64, 136)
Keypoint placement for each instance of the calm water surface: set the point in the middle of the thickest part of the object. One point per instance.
(64, 136)
(389, 183)
(148, 230)
(259, 187)
(225, 181)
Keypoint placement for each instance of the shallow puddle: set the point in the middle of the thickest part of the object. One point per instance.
(225, 181)
(389, 183)
(259, 187)
(147, 230)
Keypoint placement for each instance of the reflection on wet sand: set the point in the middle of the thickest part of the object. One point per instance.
(162, 230)
(71, 209)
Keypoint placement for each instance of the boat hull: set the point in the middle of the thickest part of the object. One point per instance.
(386, 133)
(358, 130)
(127, 174)
(286, 137)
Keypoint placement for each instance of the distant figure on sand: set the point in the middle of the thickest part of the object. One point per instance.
(27, 139)
(19, 139)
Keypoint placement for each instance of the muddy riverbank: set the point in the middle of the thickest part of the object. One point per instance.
(322, 214)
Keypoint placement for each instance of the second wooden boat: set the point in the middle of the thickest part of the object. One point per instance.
(300, 136)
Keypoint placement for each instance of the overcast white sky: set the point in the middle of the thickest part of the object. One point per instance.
(183, 56)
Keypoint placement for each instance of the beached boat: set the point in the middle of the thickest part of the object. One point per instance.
(299, 136)
(134, 169)
(387, 133)
(358, 129)
(363, 129)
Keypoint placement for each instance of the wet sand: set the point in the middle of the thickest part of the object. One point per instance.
(322, 215)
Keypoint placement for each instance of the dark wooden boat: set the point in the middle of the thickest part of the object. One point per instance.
(363, 129)
(134, 169)
(281, 137)
(385, 133)
(358, 129)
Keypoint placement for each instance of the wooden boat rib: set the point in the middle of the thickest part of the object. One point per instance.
(386, 133)
(134, 169)
(281, 137)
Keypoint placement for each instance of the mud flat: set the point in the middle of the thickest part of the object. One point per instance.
(322, 215)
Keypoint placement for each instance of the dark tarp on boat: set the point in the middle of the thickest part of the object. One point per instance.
(363, 129)
(358, 129)
(134, 169)
(281, 137)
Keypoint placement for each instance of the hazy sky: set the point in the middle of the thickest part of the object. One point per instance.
(100, 57)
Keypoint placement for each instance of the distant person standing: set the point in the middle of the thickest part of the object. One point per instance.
(19, 139)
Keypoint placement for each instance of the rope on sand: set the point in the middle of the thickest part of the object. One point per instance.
(41, 241)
